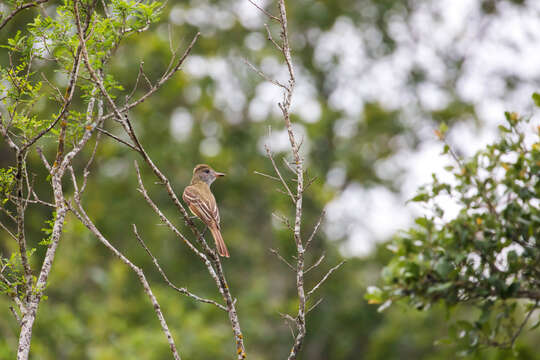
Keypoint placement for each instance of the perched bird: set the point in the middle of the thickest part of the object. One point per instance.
(202, 202)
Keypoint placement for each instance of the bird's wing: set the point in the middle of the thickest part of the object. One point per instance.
(204, 206)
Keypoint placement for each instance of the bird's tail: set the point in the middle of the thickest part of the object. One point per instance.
(220, 244)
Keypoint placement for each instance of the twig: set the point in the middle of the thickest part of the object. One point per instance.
(183, 291)
(270, 38)
(284, 220)
(43, 158)
(523, 323)
(317, 263)
(166, 76)
(7, 230)
(117, 139)
(276, 169)
(267, 176)
(275, 252)
(83, 217)
(263, 75)
(264, 11)
(314, 306)
(19, 9)
(324, 278)
(315, 229)
(16, 315)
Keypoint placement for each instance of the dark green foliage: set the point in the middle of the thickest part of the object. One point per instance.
(488, 254)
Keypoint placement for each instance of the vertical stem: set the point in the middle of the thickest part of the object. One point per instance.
(285, 107)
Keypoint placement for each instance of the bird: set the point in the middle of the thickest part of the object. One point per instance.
(202, 203)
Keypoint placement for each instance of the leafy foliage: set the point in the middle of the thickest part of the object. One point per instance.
(488, 255)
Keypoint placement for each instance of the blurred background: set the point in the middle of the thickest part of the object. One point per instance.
(375, 78)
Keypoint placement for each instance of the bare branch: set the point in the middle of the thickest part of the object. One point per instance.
(315, 229)
(183, 291)
(267, 176)
(270, 38)
(43, 159)
(16, 315)
(166, 76)
(314, 306)
(284, 220)
(263, 75)
(276, 169)
(523, 323)
(117, 139)
(324, 278)
(83, 217)
(264, 11)
(7, 230)
(275, 252)
(317, 263)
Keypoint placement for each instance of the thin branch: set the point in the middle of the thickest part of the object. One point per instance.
(309, 182)
(284, 220)
(263, 75)
(523, 323)
(275, 252)
(68, 98)
(315, 229)
(16, 315)
(4, 132)
(289, 166)
(324, 278)
(7, 230)
(19, 9)
(276, 169)
(83, 217)
(317, 263)
(139, 74)
(314, 306)
(267, 176)
(117, 139)
(270, 38)
(43, 159)
(183, 291)
(166, 76)
(264, 11)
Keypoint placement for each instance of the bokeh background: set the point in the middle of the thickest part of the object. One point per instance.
(375, 78)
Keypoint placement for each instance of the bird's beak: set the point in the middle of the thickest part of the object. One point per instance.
(218, 174)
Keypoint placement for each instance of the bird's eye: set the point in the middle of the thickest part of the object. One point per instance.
(207, 171)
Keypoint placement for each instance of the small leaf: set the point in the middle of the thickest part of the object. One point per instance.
(422, 197)
(536, 98)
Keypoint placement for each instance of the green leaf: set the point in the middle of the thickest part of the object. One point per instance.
(443, 267)
(439, 287)
(504, 129)
(536, 98)
(422, 197)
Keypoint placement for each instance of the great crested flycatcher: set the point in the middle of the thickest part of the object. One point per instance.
(202, 202)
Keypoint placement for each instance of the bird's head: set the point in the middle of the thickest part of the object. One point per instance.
(205, 173)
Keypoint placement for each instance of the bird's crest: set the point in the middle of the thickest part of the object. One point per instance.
(200, 167)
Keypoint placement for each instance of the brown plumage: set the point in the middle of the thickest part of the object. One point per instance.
(202, 202)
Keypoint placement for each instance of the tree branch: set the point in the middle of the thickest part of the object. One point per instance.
(183, 291)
